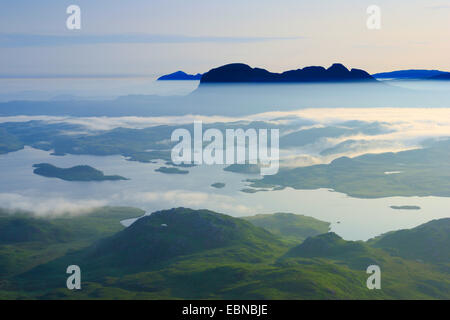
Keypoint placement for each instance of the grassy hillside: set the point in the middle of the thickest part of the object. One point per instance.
(199, 254)
(177, 232)
(27, 241)
(24, 228)
(327, 245)
(292, 227)
(400, 278)
(428, 242)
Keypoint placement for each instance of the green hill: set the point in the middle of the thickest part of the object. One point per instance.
(23, 228)
(171, 233)
(327, 245)
(355, 254)
(292, 227)
(428, 242)
(27, 241)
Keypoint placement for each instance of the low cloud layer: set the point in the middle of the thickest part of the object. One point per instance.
(178, 198)
(48, 207)
(109, 123)
(406, 128)
(54, 205)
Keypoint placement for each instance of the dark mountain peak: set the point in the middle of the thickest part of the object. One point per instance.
(236, 72)
(338, 68)
(235, 67)
(242, 73)
(179, 73)
(195, 220)
(313, 69)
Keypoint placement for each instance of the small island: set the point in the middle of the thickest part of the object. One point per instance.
(171, 170)
(243, 168)
(181, 165)
(77, 173)
(218, 185)
(406, 207)
(251, 190)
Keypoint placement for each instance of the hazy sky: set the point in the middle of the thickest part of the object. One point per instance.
(152, 37)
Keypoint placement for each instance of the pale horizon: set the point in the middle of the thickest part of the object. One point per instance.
(165, 36)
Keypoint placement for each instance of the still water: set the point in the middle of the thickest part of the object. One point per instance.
(351, 218)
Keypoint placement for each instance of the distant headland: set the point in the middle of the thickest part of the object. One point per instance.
(180, 75)
(414, 74)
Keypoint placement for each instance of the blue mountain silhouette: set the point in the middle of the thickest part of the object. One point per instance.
(239, 72)
(180, 75)
(414, 74)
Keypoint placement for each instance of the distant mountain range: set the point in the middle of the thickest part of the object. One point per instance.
(414, 75)
(242, 73)
(180, 75)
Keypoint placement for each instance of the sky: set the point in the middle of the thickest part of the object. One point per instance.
(154, 37)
